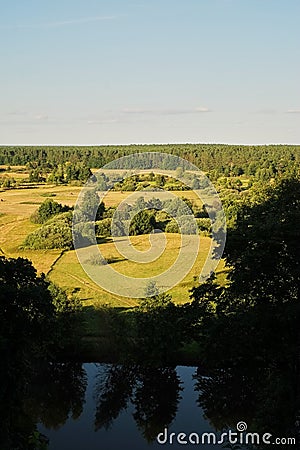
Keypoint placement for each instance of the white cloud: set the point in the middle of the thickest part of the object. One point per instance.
(166, 112)
(293, 111)
(201, 109)
(101, 121)
(41, 117)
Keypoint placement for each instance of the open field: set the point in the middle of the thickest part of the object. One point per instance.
(13, 231)
(16, 207)
(68, 273)
(19, 173)
(23, 202)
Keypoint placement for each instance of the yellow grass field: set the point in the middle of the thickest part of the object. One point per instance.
(63, 268)
(69, 274)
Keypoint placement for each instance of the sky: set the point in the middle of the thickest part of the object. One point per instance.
(95, 72)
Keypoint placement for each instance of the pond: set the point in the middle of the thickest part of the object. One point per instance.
(125, 408)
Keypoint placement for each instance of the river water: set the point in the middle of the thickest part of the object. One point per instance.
(124, 408)
(75, 406)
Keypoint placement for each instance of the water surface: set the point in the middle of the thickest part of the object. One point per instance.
(123, 412)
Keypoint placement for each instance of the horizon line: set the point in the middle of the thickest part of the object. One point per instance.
(151, 143)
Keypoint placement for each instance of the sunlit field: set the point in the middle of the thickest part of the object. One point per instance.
(63, 268)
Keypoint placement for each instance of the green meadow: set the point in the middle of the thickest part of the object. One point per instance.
(63, 268)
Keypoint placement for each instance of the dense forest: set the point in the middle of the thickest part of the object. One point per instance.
(261, 161)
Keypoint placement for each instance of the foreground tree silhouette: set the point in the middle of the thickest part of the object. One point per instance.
(254, 320)
(157, 329)
(26, 309)
(32, 318)
(264, 248)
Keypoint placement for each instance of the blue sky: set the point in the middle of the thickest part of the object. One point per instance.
(92, 72)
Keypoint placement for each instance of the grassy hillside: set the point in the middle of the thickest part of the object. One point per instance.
(16, 207)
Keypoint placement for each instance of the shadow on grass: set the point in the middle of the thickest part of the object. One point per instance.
(103, 240)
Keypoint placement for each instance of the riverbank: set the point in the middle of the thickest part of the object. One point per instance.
(101, 349)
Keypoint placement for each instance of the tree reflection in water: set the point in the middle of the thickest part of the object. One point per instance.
(113, 391)
(56, 393)
(153, 392)
(266, 399)
(46, 393)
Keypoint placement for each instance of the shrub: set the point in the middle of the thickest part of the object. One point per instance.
(172, 227)
(48, 209)
(84, 233)
(56, 233)
(103, 227)
(96, 260)
(204, 225)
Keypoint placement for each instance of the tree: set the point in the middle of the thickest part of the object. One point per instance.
(157, 330)
(264, 246)
(77, 171)
(35, 175)
(55, 233)
(57, 176)
(160, 180)
(256, 316)
(48, 209)
(68, 320)
(103, 227)
(26, 310)
(32, 310)
(91, 208)
(142, 223)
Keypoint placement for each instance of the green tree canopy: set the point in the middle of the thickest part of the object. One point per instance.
(48, 209)
(142, 223)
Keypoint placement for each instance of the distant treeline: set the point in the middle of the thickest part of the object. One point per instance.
(218, 159)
